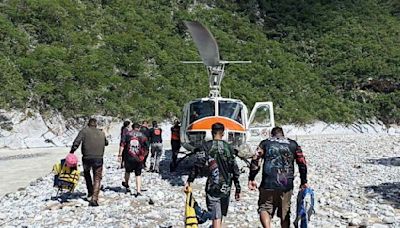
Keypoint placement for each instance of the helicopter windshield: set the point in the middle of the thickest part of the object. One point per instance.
(201, 109)
(231, 109)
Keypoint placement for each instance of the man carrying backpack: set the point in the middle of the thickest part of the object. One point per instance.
(156, 147)
(217, 156)
(134, 148)
(276, 187)
(93, 142)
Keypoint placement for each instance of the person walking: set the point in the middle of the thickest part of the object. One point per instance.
(175, 143)
(146, 131)
(217, 157)
(156, 147)
(125, 129)
(93, 144)
(133, 148)
(276, 188)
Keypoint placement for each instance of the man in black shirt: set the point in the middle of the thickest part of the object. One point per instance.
(276, 188)
(134, 147)
(156, 147)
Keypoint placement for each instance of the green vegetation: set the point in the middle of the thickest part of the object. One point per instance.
(336, 61)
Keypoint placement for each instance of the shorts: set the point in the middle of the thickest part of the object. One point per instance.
(132, 164)
(217, 207)
(270, 200)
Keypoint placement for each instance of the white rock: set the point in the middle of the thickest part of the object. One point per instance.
(349, 215)
(388, 220)
(376, 225)
(3, 216)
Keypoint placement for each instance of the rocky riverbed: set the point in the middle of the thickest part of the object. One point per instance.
(356, 180)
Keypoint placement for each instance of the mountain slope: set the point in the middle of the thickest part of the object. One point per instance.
(316, 60)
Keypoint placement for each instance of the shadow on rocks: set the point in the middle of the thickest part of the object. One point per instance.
(387, 191)
(393, 161)
(175, 177)
(66, 196)
(115, 189)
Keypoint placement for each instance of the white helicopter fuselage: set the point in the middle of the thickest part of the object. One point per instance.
(200, 114)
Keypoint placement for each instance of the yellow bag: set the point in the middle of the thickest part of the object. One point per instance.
(65, 177)
(190, 213)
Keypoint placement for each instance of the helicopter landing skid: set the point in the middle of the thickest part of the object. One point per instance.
(173, 166)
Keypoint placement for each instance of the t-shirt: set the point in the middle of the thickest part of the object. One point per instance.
(175, 131)
(135, 145)
(155, 135)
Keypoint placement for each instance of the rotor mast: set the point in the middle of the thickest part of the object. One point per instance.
(208, 49)
(215, 75)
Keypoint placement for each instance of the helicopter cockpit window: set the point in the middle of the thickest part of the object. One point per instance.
(261, 117)
(201, 109)
(230, 109)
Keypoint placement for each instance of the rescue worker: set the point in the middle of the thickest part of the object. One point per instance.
(276, 188)
(217, 157)
(175, 143)
(93, 143)
(156, 147)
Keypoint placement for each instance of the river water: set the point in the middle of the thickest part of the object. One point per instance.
(20, 167)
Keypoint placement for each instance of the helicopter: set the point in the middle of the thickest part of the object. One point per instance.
(200, 114)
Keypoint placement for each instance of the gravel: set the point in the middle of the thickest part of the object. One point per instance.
(356, 180)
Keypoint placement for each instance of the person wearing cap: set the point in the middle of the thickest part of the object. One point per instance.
(156, 147)
(93, 142)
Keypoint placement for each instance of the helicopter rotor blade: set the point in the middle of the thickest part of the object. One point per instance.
(205, 43)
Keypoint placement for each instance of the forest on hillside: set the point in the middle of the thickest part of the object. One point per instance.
(329, 60)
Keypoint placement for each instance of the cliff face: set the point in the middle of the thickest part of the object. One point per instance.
(30, 129)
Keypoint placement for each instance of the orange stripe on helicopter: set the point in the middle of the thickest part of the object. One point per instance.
(205, 124)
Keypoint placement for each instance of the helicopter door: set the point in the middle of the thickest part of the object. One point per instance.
(261, 121)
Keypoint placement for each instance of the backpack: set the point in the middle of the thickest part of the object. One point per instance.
(305, 207)
(221, 180)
